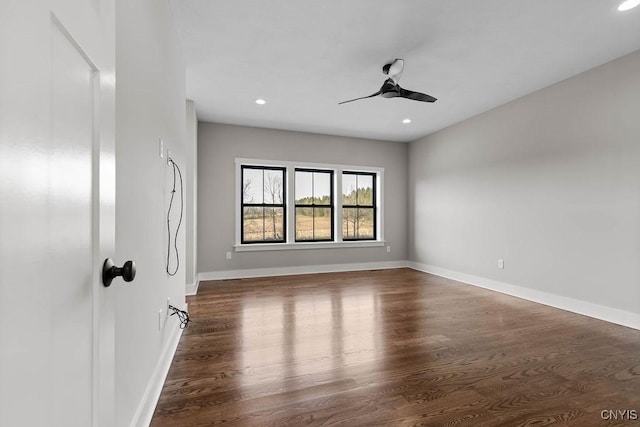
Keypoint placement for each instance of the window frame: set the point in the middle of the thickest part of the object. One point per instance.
(290, 243)
(330, 206)
(358, 206)
(263, 205)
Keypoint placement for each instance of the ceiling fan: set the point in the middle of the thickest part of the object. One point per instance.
(391, 89)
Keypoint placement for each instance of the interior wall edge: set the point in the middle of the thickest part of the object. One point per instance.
(192, 288)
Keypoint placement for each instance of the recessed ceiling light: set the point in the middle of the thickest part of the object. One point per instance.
(405, 121)
(260, 101)
(629, 4)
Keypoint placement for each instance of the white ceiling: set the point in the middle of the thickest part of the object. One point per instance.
(304, 57)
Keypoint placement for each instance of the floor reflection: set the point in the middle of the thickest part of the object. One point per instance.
(263, 336)
(302, 334)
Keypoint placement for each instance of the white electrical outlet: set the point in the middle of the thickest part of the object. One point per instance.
(168, 157)
(168, 304)
(388, 249)
(501, 264)
(160, 319)
(161, 147)
(228, 255)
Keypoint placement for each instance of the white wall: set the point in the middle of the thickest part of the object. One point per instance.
(550, 183)
(150, 102)
(219, 145)
(191, 197)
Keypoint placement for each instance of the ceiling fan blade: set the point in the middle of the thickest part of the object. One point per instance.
(416, 96)
(363, 97)
(395, 70)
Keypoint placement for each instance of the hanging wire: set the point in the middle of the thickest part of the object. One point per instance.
(175, 238)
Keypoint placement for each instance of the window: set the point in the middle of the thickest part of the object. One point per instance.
(283, 205)
(263, 204)
(358, 206)
(314, 205)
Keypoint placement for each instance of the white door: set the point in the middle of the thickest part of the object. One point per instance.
(57, 213)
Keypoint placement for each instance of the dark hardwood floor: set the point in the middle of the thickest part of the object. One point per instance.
(393, 348)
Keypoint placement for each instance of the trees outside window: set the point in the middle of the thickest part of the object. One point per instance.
(263, 204)
(328, 206)
(314, 205)
(358, 206)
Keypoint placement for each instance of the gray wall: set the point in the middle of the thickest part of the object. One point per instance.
(550, 183)
(150, 104)
(219, 145)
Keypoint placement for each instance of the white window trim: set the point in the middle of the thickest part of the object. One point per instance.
(290, 243)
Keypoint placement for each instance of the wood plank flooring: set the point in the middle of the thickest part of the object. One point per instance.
(393, 348)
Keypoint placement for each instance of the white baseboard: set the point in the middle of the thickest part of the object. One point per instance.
(307, 269)
(191, 288)
(147, 406)
(597, 311)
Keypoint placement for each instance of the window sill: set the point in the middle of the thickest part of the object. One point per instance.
(254, 247)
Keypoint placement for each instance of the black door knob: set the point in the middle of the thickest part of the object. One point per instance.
(110, 271)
